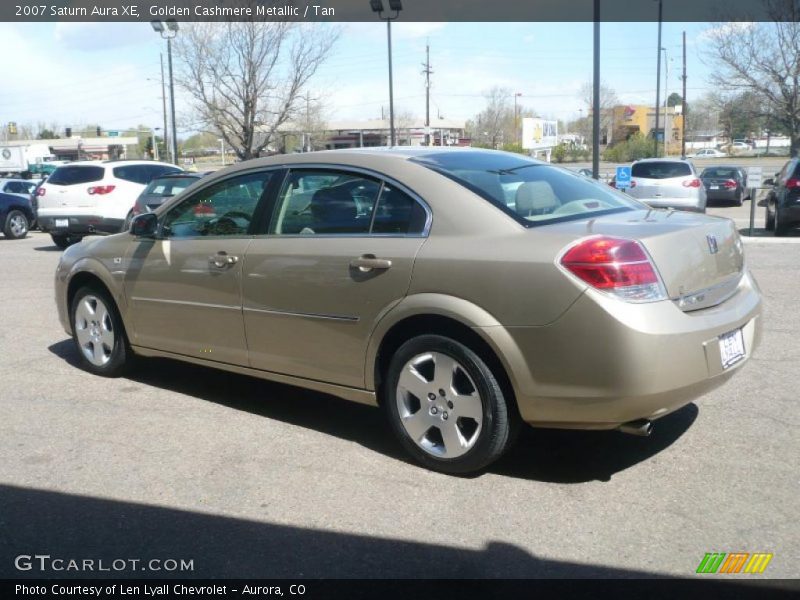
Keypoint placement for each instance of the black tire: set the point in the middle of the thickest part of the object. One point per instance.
(780, 228)
(16, 225)
(64, 240)
(120, 357)
(740, 198)
(500, 420)
(769, 219)
(126, 224)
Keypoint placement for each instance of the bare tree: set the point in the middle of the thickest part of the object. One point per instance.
(494, 125)
(762, 58)
(247, 78)
(608, 100)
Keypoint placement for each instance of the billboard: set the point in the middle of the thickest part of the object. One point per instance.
(539, 134)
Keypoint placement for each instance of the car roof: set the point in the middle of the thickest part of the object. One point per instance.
(666, 159)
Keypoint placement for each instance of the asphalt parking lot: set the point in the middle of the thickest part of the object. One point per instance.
(252, 479)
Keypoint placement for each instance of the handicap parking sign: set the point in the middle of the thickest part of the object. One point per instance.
(623, 178)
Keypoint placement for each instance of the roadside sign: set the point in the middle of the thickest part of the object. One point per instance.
(112, 133)
(623, 178)
(754, 177)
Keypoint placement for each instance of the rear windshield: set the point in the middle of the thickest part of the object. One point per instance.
(730, 173)
(532, 192)
(72, 175)
(660, 170)
(165, 188)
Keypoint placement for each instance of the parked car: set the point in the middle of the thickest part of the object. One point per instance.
(725, 183)
(16, 215)
(740, 147)
(667, 183)
(586, 173)
(20, 187)
(783, 200)
(417, 280)
(88, 197)
(708, 153)
(159, 190)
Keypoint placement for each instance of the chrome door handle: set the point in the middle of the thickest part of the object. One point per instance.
(368, 262)
(222, 260)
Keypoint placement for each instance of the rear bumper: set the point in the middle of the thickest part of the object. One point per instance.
(724, 195)
(79, 224)
(606, 362)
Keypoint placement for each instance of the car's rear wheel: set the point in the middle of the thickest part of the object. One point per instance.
(780, 228)
(740, 198)
(98, 333)
(446, 405)
(16, 225)
(63, 240)
(769, 219)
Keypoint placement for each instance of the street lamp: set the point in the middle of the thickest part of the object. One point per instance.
(377, 7)
(658, 74)
(516, 116)
(222, 150)
(168, 30)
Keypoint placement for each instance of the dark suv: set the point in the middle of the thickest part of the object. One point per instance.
(783, 200)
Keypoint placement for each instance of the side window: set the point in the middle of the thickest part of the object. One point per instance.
(324, 202)
(225, 208)
(153, 171)
(133, 173)
(398, 213)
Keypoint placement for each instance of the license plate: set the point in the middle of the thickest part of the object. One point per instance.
(62, 222)
(731, 348)
(714, 187)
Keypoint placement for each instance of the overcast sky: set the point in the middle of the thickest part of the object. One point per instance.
(108, 73)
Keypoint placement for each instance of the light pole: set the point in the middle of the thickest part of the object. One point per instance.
(377, 7)
(222, 150)
(168, 30)
(666, 100)
(658, 76)
(517, 133)
(155, 144)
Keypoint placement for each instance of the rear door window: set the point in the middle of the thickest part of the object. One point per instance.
(660, 170)
(73, 175)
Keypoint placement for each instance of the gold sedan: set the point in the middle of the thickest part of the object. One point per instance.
(464, 291)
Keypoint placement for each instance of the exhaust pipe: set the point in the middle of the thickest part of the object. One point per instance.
(640, 427)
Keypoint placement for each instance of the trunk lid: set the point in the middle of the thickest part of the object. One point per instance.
(68, 187)
(695, 255)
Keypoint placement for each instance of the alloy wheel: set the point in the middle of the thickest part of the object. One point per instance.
(439, 405)
(94, 330)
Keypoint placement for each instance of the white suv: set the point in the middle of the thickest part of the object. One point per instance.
(81, 198)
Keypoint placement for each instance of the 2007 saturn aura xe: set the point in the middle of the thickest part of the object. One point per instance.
(464, 291)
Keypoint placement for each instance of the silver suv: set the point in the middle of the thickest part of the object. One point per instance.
(667, 183)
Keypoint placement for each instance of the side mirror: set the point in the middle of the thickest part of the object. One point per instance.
(144, 225)
(768, 182)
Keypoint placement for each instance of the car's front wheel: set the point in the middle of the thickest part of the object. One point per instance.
(16, 225)
(64, 240)
(98, 333)
(446, 405)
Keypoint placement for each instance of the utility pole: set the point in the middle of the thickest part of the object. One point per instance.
(307, 134)
(596, 95)
(427, 72)
(658, 77)
(666, 101)
(683, 106)
(164, 103)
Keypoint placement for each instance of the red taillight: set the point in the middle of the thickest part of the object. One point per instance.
(792, 183)
(136, 210)
(615, 265)
(730, 184)
(633, 183)
(692, 183)
(101, 189)
(41, 191)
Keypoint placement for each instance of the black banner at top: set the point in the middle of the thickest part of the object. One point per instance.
(411, 10)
